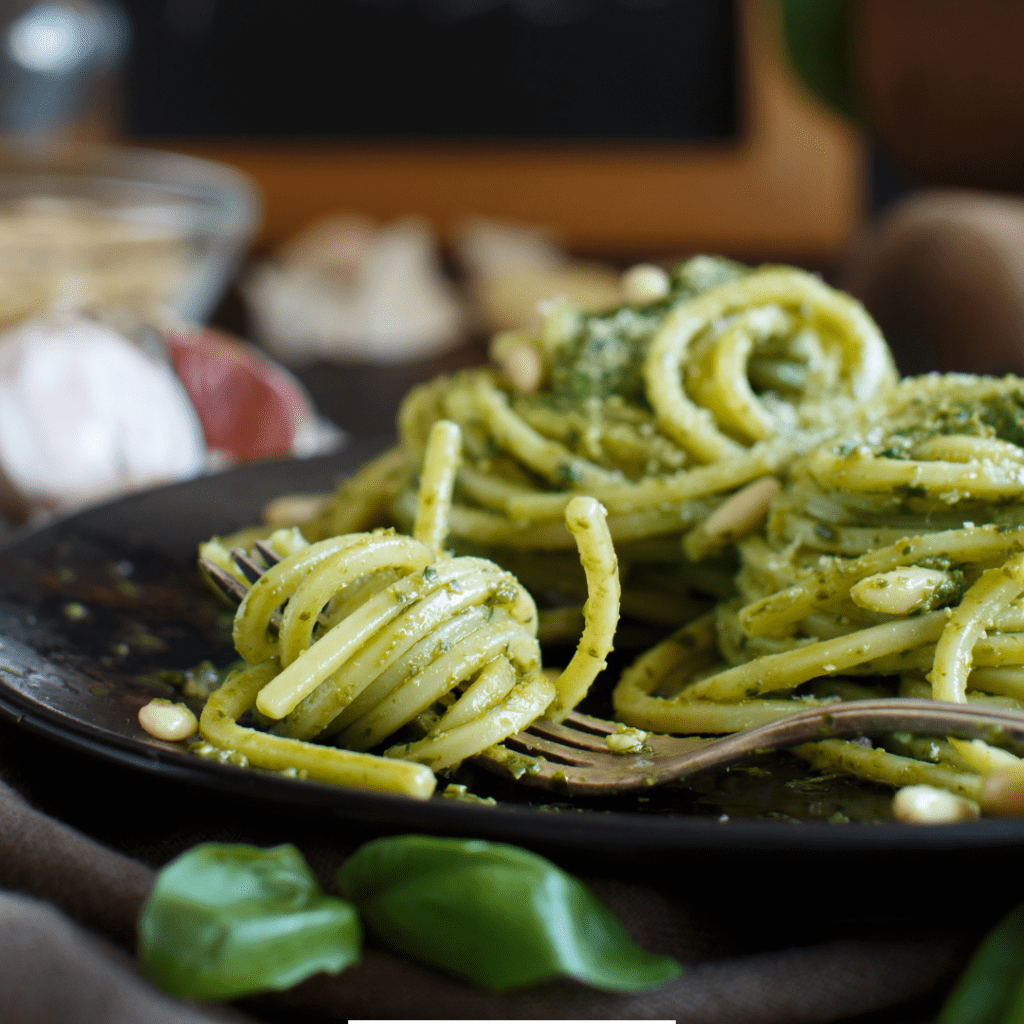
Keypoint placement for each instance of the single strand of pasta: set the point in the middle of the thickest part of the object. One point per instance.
(968, 448)
(1005, 680)
(218, 725)
(857, 471)
(826, 657)
(585, 520)
(995, 651)
(849, 541)
(983, 757)
(437, 479)
(967, 624)
(889, 769)
(726, 391)
(704, 717)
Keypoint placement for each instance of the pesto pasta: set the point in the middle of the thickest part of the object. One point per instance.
(660, 410)
(892, 564)
(740, 452)
(357, 639)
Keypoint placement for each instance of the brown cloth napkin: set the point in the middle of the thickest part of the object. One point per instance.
(67, 921)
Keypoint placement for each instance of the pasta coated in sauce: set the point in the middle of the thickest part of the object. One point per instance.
(659, 410)
(355, 638)
(860, 586)
(878, 527)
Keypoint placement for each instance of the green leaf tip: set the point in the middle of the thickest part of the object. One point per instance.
(991, 989)
(228, 920)
(497, 916)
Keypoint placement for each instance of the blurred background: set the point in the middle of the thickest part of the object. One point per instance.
(368, 189)
(627, 128)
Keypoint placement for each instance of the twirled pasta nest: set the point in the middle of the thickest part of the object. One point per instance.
(659, 410)
(352, 640)
(892, 563)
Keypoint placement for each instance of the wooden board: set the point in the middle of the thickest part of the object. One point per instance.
(792, 188)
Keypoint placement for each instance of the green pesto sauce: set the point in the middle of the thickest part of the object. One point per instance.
(605, 354)
(1000, 416)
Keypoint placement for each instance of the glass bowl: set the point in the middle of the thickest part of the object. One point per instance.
(119, 227)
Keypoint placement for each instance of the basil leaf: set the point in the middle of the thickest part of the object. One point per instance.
(991, 989)
(495, 915)
(227, 920)
(1015, 1011)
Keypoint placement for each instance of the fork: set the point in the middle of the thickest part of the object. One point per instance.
(574, 758)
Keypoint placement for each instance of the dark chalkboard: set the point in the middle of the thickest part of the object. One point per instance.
(419, 69)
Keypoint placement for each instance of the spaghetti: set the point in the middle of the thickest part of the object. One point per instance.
(659, 410)
(892, 564)
(812, 531)
(359, 637)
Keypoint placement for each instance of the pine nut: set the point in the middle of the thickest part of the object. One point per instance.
(899, 591)
(928, 805)
(742, 512)
(644, 283)
(167, 721)
(523, 367)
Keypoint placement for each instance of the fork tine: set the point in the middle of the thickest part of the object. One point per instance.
(269, 555)
(558, 753)
(587, 723)
(224, 582)
(568, 737)
(234, 590)
(250, 570)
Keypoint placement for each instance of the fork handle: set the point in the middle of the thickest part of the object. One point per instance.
(850, 720)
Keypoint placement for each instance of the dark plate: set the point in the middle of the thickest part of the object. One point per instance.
(92, 605)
